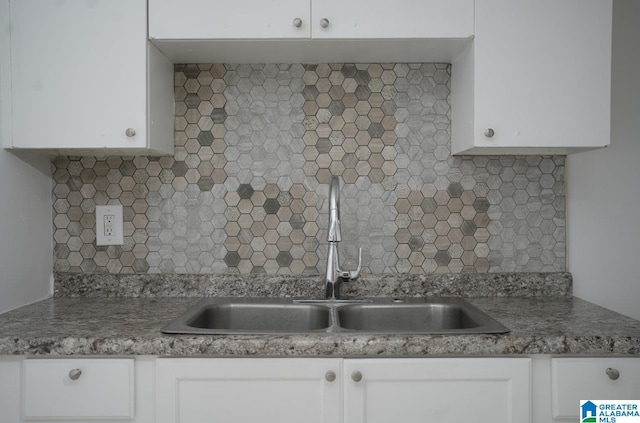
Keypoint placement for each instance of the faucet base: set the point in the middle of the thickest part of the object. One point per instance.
(332, 290)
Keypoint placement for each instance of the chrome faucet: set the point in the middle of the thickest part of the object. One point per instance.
(335, 276)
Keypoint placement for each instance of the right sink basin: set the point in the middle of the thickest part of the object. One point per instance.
(448, 315)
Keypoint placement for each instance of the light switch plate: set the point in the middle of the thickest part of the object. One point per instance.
(109, 226)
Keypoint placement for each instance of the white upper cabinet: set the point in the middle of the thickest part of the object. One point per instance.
(85, 80)
(535, 80)
(253, 19)
(310, 31)
(397, 19)
(205, 19)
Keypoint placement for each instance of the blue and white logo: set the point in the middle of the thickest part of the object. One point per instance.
(609, 411)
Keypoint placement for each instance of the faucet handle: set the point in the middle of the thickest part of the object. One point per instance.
(353, 274)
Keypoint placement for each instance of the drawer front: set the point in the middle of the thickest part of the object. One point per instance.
(575, 379)
(103, 388)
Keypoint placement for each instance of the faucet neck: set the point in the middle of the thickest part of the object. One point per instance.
(334, 276)
(334, 233)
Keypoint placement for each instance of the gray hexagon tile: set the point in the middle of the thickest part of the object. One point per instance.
(247, 187)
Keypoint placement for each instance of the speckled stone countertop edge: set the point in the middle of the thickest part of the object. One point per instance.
(101, 285)
(132, 326)
(325, 346)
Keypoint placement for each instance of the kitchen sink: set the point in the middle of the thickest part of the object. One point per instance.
(375, 315)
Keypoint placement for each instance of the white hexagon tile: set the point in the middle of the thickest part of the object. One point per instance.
(246, 189)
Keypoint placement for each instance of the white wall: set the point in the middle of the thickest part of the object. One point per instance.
(603, 186)
(26, 261)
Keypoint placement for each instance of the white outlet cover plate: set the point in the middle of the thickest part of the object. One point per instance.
(117, 237)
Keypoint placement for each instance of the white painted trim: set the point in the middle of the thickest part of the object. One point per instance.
(5, 74)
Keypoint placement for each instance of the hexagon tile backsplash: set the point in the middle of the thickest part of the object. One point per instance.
(247, 187)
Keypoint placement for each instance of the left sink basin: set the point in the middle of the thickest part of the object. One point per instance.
(238, 316)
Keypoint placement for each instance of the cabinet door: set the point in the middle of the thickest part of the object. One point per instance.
(596, 378)
(244, 19)
(79, 73)
(397, 19)
(491, 390)
(78, 389)
(542, 73)
(248, 390)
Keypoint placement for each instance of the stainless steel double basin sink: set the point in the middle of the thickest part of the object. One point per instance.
(238, 315)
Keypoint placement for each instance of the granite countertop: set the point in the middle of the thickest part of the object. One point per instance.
(124, 315)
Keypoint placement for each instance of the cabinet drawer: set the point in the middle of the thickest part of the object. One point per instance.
(54, 389)
(575, 379)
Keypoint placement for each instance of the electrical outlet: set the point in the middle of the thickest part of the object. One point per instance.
(109, 226)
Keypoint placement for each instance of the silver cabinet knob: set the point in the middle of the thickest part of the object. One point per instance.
(489, 133)
(324, 22)
(130, 132)
(74, 374)
(297, 22)
(330, 376)
(356, 376)
(613, 374)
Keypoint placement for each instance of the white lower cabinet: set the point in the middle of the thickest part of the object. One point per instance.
(343, 390)
(78, 389)
(596, 378)
(559, 383)
(225, 390)
(491, 390)
(530, 389)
